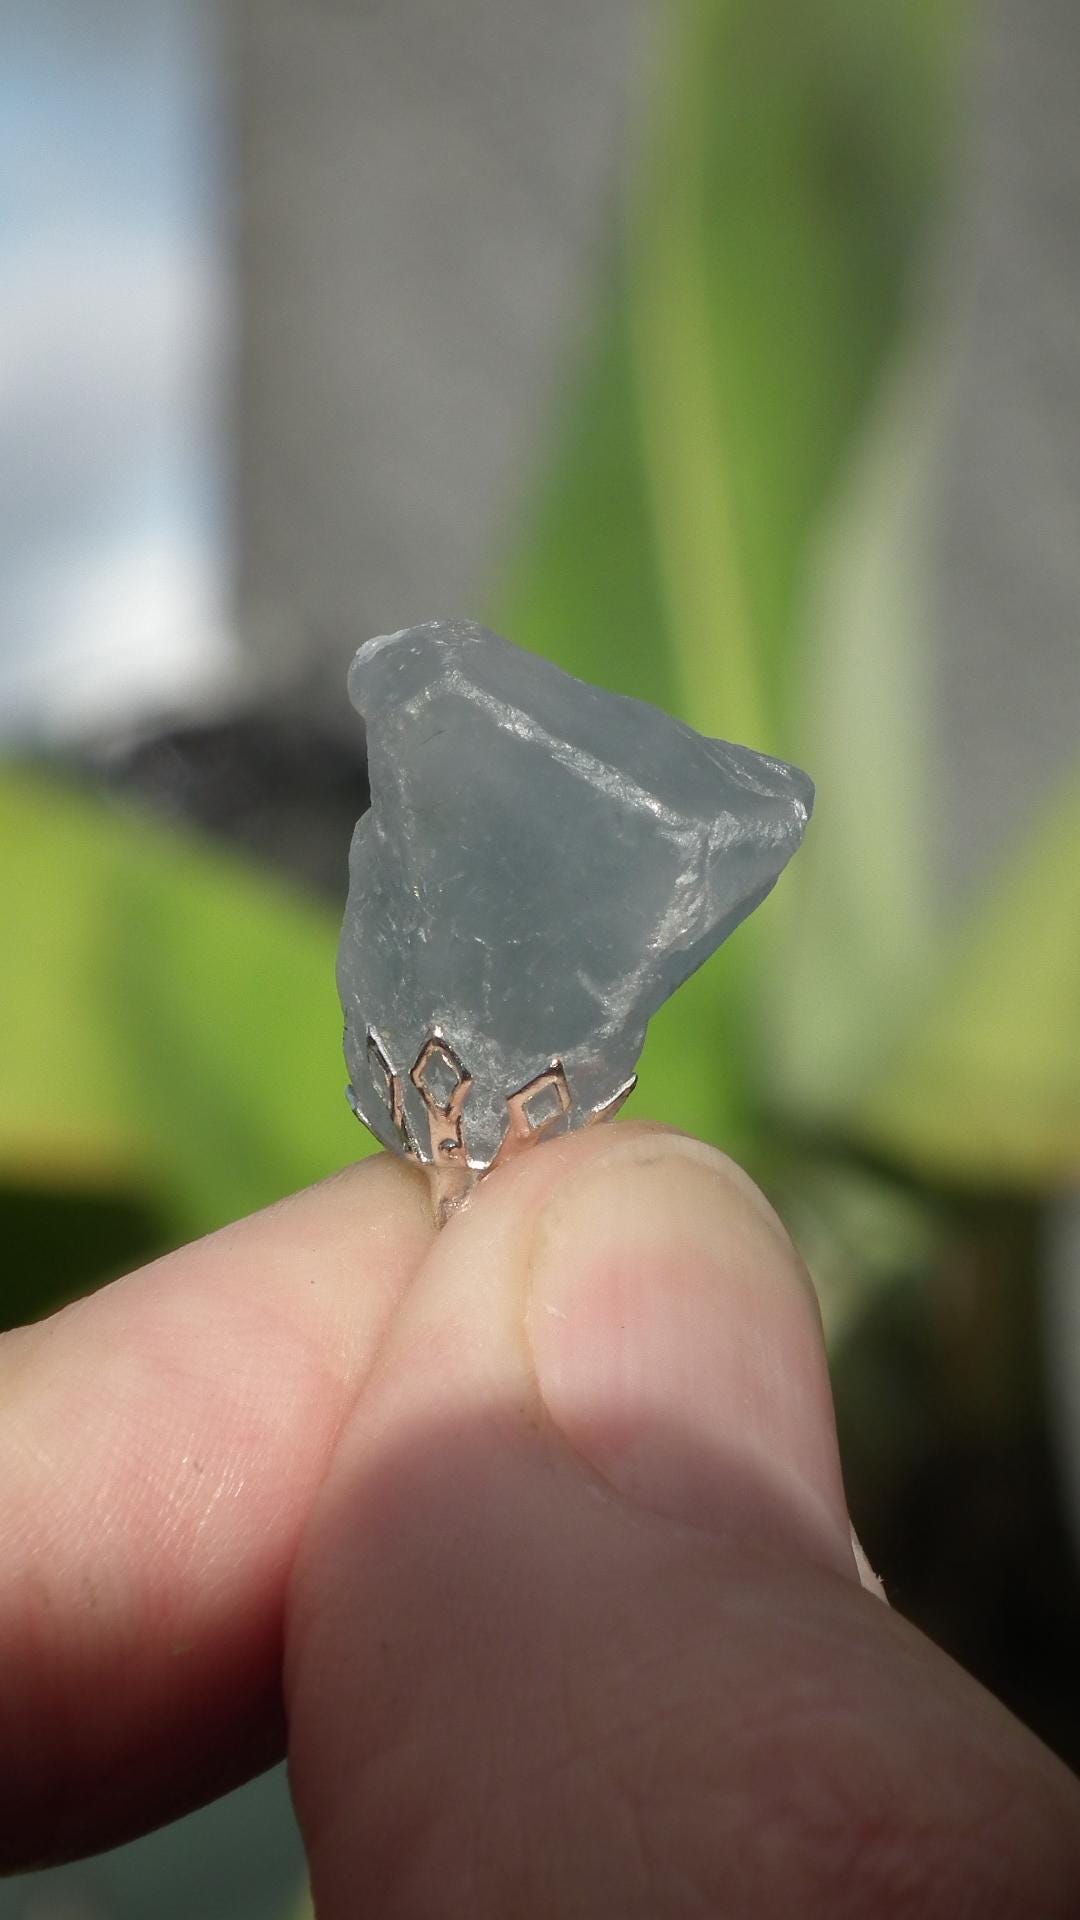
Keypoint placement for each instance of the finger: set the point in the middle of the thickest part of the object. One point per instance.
(160, 1444)
(576, 1628)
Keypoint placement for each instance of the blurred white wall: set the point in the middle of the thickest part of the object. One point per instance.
(113, 572)
(427, 205)
(1006, 499)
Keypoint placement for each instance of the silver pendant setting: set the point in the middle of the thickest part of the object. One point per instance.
(428, 1117)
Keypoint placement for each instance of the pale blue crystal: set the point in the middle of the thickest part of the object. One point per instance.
(542, 864)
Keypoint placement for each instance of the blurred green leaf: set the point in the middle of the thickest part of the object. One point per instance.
(860, 930)
(173, 1031)
(789, 165)
(944, 1031)
(986, 1081)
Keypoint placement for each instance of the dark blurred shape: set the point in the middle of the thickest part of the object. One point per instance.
(59, 1243)
(238, 1859)
(270, 783)
(950, 1467)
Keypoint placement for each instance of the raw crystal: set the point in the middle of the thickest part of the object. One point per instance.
(542, 865)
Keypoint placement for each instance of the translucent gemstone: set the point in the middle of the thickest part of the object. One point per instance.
(542, 864)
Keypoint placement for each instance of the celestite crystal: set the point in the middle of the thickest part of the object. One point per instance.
(541, 866)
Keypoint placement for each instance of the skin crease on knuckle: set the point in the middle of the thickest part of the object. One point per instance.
(651, 1723)
(692, 1815)
(837, 1797)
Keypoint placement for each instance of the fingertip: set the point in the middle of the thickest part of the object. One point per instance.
(677, 1345)
(632, 1294)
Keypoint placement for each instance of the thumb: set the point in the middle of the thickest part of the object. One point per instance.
(577, 1627)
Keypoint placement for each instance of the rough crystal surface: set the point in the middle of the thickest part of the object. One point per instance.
(542, 864)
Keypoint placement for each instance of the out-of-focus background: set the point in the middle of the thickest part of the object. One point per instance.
(726, 352)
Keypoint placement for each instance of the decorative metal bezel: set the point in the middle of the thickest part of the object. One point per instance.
(447, 1157)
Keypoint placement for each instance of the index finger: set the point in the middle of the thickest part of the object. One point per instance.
(160, 1446)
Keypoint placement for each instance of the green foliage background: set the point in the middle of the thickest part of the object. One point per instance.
(171, 1053)
(893, 1067)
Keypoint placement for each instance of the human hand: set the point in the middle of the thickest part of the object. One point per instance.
(531, 1535)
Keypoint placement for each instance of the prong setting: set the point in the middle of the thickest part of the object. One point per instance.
(533, 1111)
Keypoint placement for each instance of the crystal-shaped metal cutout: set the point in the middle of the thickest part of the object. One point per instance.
(438, 1069)
(533, 1109)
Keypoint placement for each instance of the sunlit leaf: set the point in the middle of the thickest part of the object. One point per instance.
(985, 1082)
(780, 195)
(173, 1031)
(943, 1030)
